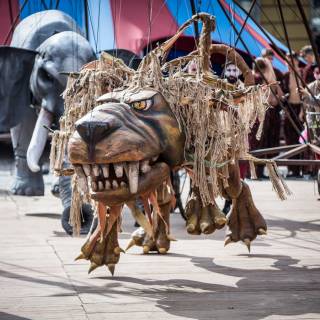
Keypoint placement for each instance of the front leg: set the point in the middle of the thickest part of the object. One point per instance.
(26, 182)
(102, 247)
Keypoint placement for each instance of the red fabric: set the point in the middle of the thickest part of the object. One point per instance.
(7, 18)
(131, 23)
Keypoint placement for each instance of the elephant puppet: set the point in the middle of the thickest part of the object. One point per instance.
(44, 47)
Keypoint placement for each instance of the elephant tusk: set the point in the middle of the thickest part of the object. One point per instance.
(38, 140)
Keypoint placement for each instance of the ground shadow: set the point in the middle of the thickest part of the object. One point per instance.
(44, 215)
(8, 316)
(284, 289)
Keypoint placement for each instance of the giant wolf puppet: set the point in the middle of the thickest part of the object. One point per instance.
(127, 130)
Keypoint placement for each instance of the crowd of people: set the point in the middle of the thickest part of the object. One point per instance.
(288, 99)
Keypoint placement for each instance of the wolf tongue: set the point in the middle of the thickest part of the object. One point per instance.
(133, 176)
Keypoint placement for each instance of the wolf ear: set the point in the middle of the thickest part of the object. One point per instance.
(15, 69)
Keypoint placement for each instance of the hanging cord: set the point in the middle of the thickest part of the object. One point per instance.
(245, 21)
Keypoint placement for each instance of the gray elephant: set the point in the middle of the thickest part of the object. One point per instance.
(44, 48)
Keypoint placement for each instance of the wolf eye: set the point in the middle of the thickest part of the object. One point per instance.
(142, 105)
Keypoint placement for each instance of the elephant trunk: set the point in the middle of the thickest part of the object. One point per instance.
(39, 139)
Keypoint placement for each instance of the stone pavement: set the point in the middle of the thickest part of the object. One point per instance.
(199, 279)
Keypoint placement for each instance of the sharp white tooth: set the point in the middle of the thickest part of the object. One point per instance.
(145, 167)
(108, 185)
(118, 169)
(100, 184)
(133, 176)
(123, 184)
(94, 186)
(115, 184)
(105, 170)
(96, 170)
(155, 158)
(86, 169)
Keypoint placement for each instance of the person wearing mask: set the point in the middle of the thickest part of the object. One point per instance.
(307, 54)
(291, 83)
(264, 74)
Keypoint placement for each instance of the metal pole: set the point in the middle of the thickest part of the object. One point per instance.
(13, 25)
(245, 21)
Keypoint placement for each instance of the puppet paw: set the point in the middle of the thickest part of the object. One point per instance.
(245, 220)
(101, 249)
(203, 219)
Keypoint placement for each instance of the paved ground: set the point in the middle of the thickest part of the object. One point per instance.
(199, 279)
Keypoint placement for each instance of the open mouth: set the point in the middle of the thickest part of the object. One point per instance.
(117, 182)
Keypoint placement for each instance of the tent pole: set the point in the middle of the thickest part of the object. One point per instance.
(245, 21)
(13, 25)
(86, 19)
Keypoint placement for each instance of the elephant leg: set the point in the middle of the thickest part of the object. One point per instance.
(65, 193)
(26, 182)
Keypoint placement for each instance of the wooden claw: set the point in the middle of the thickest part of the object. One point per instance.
(261, 231)
(92, 267)
(146, 249)
(118, 250)
(227, 241)
(131, 244)
(247, 242)
(162, 250)
(191, 228)
(80, 256)
(111, 268)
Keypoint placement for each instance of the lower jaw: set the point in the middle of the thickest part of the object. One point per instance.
(147, 183)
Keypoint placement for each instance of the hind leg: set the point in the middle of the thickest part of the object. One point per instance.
(245, 220)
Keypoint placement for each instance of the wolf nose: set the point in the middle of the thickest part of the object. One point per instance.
(93, 132)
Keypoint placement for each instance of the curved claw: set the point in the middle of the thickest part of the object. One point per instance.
(111, 268)
(162, 250)
(261, 232)
(130, 244)
(227, 241)
(146, 249)
(80, 256)
(247, 242)
(93, 266)
(118, 250)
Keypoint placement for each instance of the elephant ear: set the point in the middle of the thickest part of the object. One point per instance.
(15, 96)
